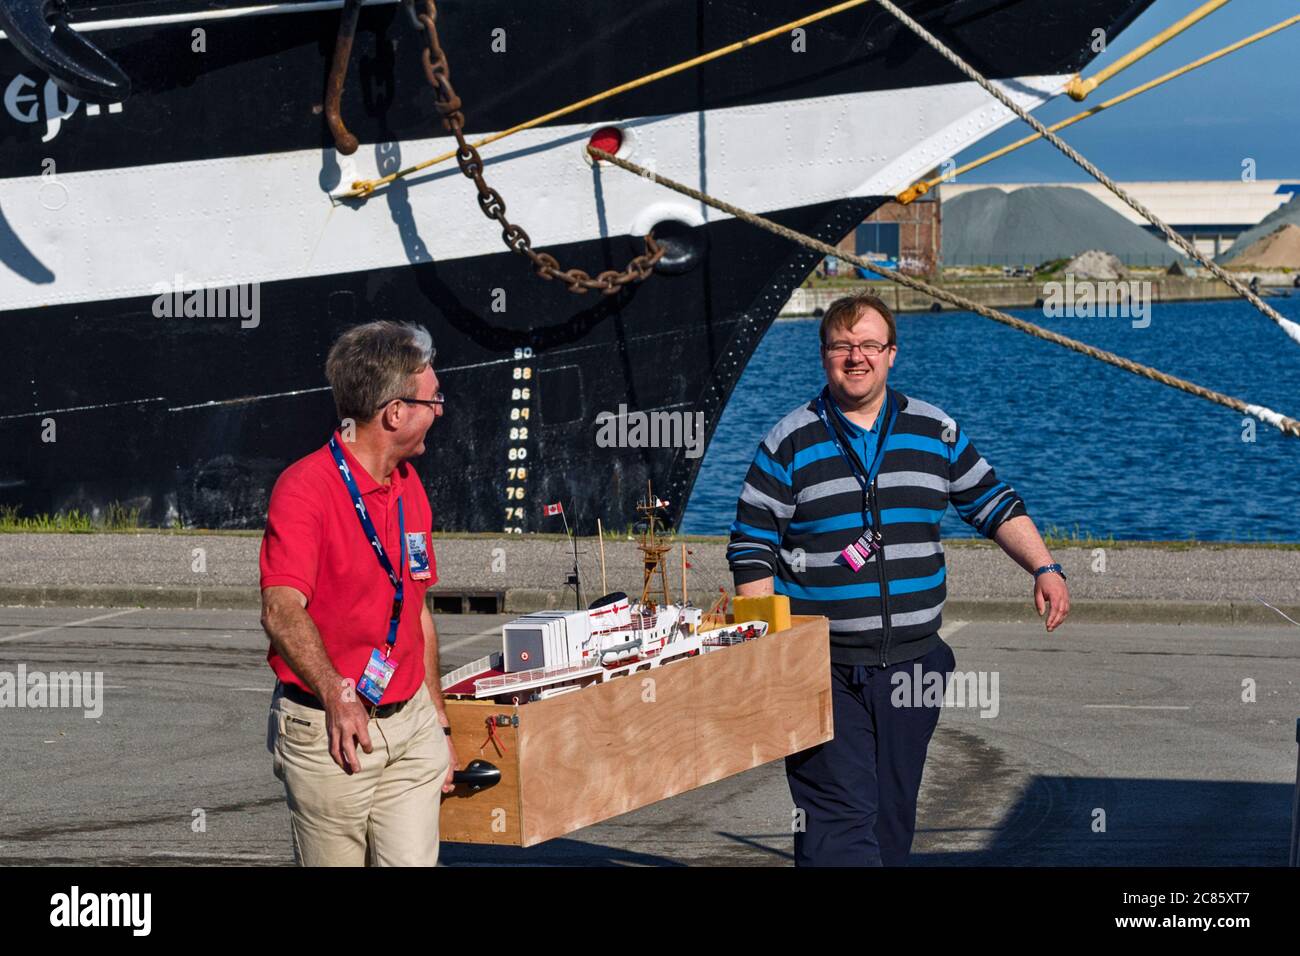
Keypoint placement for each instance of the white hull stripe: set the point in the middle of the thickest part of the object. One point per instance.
(147, 230)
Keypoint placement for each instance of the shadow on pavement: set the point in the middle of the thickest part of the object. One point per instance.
(1147, 823)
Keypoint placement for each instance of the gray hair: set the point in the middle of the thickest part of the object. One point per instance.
(373, 363)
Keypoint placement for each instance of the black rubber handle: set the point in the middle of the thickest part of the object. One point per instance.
(479, 775)
(39, 30)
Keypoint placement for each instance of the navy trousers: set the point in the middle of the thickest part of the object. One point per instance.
(858, 791)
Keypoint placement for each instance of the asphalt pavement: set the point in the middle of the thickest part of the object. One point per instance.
(1105, 745)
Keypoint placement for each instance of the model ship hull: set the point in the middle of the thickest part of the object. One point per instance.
(217, 173)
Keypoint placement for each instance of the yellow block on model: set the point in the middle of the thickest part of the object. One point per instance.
(772, 608)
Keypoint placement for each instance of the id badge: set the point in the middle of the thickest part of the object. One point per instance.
(861, 551)
(417, 550)
(379, 671)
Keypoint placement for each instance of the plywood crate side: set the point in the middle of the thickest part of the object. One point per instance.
(583, 757)
(785, 709)
(607, 749)
(491, 815)
(616, 747)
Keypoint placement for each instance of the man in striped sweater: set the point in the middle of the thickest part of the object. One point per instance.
(847, 525)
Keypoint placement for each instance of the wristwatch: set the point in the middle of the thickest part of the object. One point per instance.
(1050, 569)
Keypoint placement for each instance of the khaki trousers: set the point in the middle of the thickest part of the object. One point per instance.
(384, 814)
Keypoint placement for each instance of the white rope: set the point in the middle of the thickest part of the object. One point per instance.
(1288, 426)
(1291, 328)
(1272, 608)
(1177, 239)
(1266, 415)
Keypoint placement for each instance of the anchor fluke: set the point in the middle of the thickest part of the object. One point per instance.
(40, 31)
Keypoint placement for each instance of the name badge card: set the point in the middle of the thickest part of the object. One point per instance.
(861, 551)
(373, 683)
(418, 549)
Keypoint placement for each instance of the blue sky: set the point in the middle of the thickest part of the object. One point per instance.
(1199, 126)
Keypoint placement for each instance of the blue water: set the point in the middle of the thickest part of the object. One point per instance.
(1088, 446)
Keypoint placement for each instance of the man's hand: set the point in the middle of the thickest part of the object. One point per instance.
(453, 765)
(347, 723)
(1050, 591)
(1020, 539)
(294, 636)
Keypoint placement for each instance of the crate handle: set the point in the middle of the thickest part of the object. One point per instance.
(479, 775)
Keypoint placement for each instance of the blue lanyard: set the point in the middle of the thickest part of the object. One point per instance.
(372, 536)
(868, 480)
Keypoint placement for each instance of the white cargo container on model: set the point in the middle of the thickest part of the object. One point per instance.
(548, 639)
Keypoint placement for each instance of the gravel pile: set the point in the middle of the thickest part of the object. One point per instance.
(1280, 250)
(1243, 252)
(1095, 264)
(1037, 224)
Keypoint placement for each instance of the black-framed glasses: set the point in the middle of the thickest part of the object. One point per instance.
(438, 399)
(845, 349)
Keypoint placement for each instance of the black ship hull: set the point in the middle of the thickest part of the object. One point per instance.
(191, 418)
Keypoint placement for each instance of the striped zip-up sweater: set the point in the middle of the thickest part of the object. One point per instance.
(801, 506)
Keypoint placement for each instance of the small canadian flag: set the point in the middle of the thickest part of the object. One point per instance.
(555, 509)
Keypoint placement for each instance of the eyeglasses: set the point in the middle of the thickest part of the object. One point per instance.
(845, 349)
(438, 399)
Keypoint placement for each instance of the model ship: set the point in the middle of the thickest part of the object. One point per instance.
(548, 653)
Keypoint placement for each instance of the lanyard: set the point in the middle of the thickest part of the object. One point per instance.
(368, 527)
(867, 481)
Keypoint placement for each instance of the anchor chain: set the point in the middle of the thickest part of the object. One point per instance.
(438, 73)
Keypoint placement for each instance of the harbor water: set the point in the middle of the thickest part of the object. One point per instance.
(1091, 448)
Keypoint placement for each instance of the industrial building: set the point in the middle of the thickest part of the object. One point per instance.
(1212, 214)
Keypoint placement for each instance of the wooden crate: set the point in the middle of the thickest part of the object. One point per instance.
(582, 757)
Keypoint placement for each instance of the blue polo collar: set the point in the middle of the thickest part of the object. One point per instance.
(852, 429)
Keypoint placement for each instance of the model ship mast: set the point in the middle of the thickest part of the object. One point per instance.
(716, 615)
(652, 549)
(556, 652)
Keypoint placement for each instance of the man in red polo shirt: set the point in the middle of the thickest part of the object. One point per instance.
(358, 729)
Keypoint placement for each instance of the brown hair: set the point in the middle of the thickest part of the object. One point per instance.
(373, 363)
(844, 312)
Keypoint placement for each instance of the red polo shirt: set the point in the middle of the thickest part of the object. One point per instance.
(314, 543)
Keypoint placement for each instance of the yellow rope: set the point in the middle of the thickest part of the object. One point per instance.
(1079, 88)
(924, 186)
(1292, 329)
(363, 188)
(1288, 426)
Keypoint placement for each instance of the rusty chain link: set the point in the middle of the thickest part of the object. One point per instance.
(448, 103)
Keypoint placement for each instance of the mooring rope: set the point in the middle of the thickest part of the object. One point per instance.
(1290, 328)
(1288, 426)
(921, 187)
